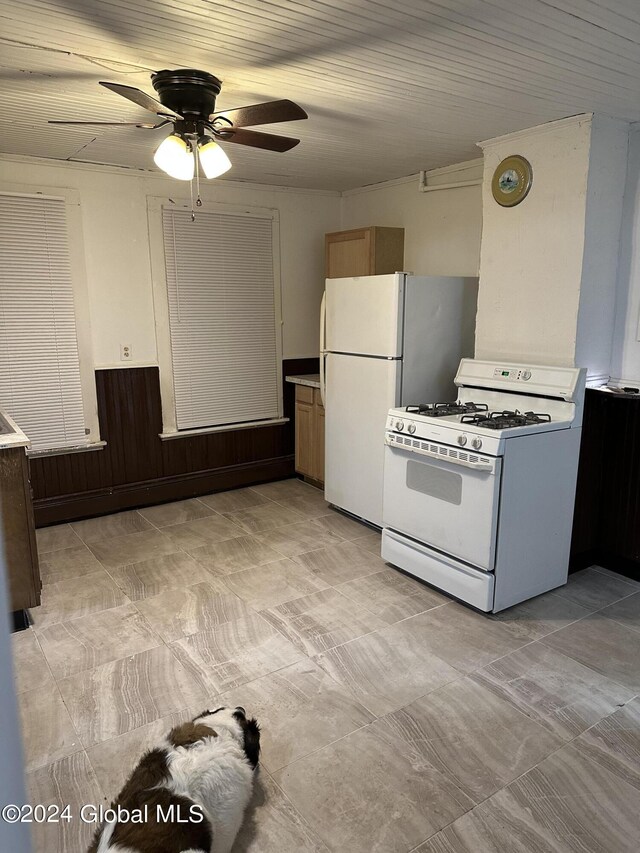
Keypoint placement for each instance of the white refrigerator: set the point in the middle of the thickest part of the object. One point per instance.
(385, 341)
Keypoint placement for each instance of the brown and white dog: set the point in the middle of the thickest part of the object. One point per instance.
(188, 794)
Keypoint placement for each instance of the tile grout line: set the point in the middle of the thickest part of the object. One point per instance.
(300, 815)
(68, 524)
(219, 692)
(66, 707)
(293, 558)
(555, 630)
(362, 728)
(608, 573)
(565, 744)
(40, 629)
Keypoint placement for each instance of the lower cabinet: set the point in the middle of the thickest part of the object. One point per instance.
(16, 517)
(309, 433)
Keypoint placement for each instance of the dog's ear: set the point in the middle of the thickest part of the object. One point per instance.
(252, 741)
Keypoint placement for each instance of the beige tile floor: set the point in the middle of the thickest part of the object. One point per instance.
(394, 719)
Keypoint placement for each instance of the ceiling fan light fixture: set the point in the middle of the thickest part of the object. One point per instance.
(213, 159)
(175, 157)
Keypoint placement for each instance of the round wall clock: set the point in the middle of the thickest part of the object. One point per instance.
(511, 181)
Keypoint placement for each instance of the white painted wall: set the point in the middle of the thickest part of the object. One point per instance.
(598, 291)
(625, 364)
(442, 229)
(116, 241)
(531, 257)
(548, 266)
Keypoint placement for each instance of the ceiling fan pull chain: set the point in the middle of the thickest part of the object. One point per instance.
(193, 213)
(194, 146)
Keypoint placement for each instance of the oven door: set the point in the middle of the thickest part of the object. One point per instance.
(443, 496)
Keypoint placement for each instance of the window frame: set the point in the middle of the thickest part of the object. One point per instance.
(155, 205)
(82, 315)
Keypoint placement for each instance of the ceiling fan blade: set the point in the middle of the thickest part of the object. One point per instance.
(269, 113)
(141, 99)
(268, 141)
(114, 123)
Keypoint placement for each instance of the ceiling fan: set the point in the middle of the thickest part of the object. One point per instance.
(187, 99)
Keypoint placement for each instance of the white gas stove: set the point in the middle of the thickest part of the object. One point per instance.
(479, 493)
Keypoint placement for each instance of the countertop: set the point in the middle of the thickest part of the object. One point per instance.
(616, 393)
(10, 433)
(310, 379)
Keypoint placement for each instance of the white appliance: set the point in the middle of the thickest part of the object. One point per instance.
(385, 340)
(479, 494)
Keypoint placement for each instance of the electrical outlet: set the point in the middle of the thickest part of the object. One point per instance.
(125, 352)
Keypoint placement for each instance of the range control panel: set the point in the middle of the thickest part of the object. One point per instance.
(562, 383)
(512, 373)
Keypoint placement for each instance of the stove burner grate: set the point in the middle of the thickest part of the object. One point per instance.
(506, 419)
(441, 410)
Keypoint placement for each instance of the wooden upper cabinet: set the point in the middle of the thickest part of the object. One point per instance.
(364, 251)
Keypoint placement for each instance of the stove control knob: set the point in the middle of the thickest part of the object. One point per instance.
(476, 443)
(399, 425)
(412, 428)
(462, 440)
(526, 374)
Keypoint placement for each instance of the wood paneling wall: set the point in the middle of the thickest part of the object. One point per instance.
(136, 468)
(606, 528)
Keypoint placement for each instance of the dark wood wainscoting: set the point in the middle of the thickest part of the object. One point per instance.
(136, 468)
(606, 528)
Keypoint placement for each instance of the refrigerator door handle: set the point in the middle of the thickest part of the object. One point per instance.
(323, 311)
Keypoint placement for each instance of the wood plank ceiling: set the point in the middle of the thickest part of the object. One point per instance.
(390, 87)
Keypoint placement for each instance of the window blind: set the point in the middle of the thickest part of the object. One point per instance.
(220, 283)
(39, 367)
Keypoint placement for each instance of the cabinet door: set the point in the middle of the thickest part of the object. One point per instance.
(388, 250)
(305, 438)
(348, 253)
(319, 437)
(19, 531)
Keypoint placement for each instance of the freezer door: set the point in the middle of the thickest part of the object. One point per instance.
(364, 315)
(359, 393)
(439, 330)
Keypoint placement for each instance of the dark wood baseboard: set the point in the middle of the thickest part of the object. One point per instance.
(172, 488)
(19, 621)
(613, 562)
(317, 484)
(583, 560)
(621, 565)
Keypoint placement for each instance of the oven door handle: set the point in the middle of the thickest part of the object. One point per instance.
(394, 442)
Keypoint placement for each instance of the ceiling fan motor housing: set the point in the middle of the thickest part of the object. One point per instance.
(187, 91)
